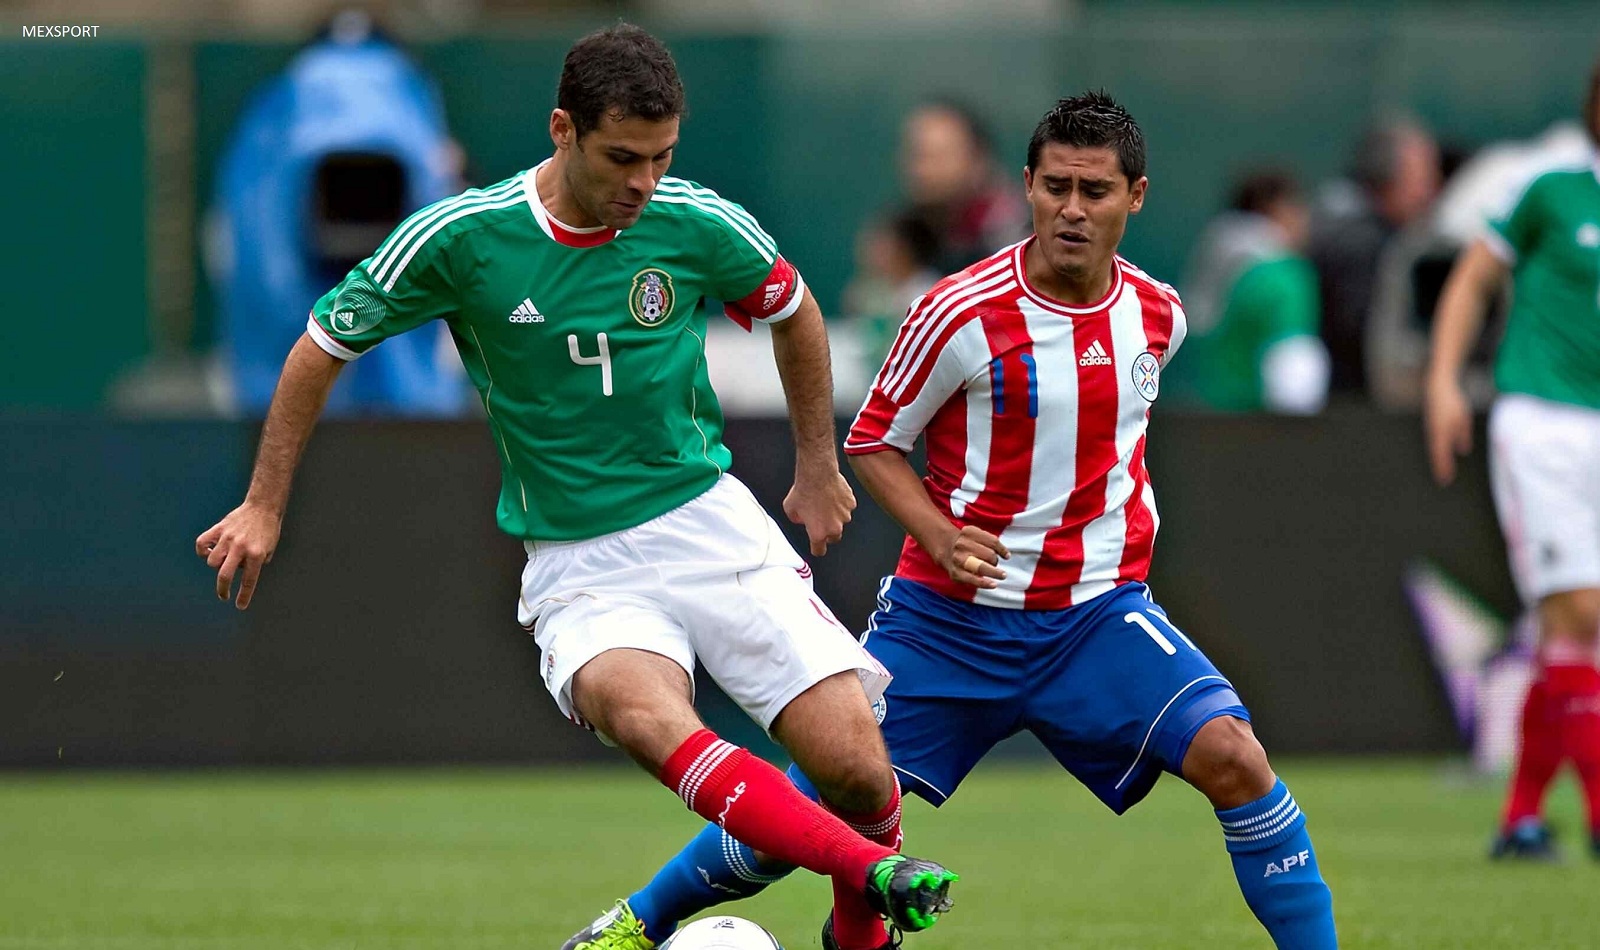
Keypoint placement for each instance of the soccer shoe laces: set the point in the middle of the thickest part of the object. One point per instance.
(625, 931)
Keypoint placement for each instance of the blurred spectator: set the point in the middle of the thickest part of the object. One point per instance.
(1251, 299)
(896, 260)
(954, 185)
(1393, 180)
(1412, 274)
(327, 159)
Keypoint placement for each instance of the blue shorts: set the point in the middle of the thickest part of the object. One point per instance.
(1111, 687)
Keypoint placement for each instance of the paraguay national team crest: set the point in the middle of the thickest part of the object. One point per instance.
(1147, 375)
(650, 301)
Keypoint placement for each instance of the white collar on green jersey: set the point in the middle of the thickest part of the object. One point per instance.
(556, 230)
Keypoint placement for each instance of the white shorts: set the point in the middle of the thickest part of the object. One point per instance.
(1544, 463)
(713, 578)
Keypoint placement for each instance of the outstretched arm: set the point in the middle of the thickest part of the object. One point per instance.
(1447, 415)
(821, 499)
(241, 543)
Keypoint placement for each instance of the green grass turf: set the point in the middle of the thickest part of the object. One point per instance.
(471, 860)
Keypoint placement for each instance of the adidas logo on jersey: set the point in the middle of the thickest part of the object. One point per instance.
(774, 293)
(1095, 355)
(526, 312)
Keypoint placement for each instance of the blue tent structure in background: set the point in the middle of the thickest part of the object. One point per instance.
(325, 161)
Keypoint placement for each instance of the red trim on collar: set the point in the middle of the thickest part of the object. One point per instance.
(570, 238)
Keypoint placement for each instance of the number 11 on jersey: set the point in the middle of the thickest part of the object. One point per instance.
(603, 360)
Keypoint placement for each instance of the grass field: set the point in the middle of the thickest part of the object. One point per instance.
(473, 860)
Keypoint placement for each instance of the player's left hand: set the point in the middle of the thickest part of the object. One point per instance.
(823, 504)
(240, 544)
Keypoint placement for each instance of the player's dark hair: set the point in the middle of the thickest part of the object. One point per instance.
(621, 71)
(1092, 120)
(1257, 192)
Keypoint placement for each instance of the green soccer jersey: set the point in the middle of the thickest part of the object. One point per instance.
(1552, 242)
(1272, 300)
(587, 346)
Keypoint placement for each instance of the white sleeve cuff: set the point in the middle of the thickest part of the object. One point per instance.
(1499, 246)
(329, 345)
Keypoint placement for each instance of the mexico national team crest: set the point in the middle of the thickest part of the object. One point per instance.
(1147, 375)
(650, 301)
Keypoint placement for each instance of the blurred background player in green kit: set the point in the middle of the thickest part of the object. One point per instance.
(1544, 459)
(1252, 304)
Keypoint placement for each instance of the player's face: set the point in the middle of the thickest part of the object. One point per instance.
(1081, 201)
(614, 168)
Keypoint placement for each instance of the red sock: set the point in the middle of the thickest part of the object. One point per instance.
(1540, 755)
(856, 926)
(758, 805)
(1578, 695)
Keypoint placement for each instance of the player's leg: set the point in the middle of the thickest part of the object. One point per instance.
(935, 726)
(642, 702)
(785, 659)
(830, 732)
(1265, 831)
(935, 730)
(819, 727)
(1124, 696)
(712, 869)
(1543, 463)
(1569, 625)
(616, 659)
(720, 568)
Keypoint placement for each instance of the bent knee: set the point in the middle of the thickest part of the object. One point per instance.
(861, 786)
(1227, 763)
(1572, 616)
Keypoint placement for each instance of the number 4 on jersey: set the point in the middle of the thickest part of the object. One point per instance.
(603, 360)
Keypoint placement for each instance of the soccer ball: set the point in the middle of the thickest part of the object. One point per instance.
(722, 933)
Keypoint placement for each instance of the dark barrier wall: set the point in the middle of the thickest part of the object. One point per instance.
(384, 631)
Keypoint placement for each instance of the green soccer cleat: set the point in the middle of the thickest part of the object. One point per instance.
(616, 929)
(911, 892)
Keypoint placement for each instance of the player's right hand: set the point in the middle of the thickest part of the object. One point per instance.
(240, 545)
(1447, 420)
(973, 557)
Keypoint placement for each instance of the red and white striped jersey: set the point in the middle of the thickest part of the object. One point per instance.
(1035, 415)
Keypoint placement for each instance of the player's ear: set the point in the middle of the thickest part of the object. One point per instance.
(1138, 189)
(1027, 180)
(562, 132)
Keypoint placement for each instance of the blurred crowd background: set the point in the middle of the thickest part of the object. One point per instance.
(181, 186)
(192, 177)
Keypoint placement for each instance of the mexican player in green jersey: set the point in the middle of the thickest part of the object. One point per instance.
(574, 294)
(1544, 457)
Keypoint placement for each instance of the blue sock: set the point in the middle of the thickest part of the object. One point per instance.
(712, 869)
(1277, 871)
